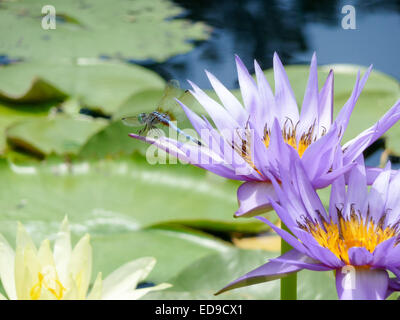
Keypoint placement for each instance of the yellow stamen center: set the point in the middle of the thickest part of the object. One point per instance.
(244, 143)
(349, 232)
(289, 136)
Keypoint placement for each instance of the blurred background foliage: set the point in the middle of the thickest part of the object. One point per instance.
(64, 150)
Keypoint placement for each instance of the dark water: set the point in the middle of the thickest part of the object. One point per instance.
(254, 29)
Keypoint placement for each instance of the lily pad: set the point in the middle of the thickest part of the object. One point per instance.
(39, 91)
(174, 250)
(10, 114)
(206, 276)
(128, 194)
(99, 85)
(61, 135)
(113, 140)
(137, 29)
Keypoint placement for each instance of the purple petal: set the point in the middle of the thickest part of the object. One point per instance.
(267, 99)
(291, 207)
(200, 157)
(361, 284)
(230, 102)
(393, 257)
(309, 109)
(253, 198)
(353, 148)
(393, 200)
(319, 155)
(310, 198)
(357, 191)
(270, 271)
(378, 194)
(381, 252)
(284, 95)
(394, 285)
(338, 189)
(373, 173)
(221, 117)
(248, 87)
(277, 154)
(325, 105)
(359, 256)
(316, 251)
(327, 179)
(305, 262)
(344, 115)
(261, 157)
(291, 240)
(219, 146)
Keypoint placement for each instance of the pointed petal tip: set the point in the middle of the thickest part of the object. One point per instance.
(210, 76)
(314, 58)
(256, 66)
(238, 60)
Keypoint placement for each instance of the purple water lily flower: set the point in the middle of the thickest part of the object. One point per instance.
(248, 140)
(358, 238)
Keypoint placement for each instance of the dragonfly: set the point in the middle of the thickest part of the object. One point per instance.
(164, 114)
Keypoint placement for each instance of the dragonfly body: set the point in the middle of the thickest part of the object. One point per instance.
(149, 121)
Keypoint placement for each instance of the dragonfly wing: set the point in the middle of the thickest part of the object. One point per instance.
(134, 121)
(167, 103)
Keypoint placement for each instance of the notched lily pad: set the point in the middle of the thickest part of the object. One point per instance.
(61, 135)
(100, 85)
(11, 113)
(38, 91)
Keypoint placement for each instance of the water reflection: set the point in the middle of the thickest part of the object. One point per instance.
(257, 28)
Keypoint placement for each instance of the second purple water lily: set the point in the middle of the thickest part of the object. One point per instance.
(358, 238)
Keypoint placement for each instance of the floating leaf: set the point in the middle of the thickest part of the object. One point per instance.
(61, 135)
(99, 85)
(137, 29)
(133, 193)
(10, 114)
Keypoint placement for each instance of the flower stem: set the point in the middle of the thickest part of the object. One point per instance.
(289, 283)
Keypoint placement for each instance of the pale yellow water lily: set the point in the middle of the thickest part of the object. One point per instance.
(29, 273)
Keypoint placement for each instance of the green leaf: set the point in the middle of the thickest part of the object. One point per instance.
(204, 277)
(38, 91)
(99, 85)
(174, 250)
(61, 135)
(137, 29)
(10, 114)
(113, 140)
(134, 193)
